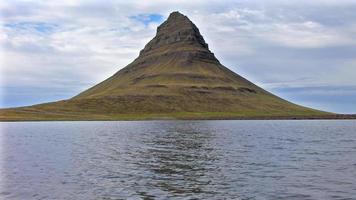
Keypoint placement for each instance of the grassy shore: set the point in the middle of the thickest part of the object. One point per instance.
(18, 115)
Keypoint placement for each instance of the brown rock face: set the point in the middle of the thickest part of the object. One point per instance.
(177, 29)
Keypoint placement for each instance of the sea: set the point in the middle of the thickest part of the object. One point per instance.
(223, 159)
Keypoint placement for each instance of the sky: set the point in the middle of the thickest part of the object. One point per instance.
(302, 50)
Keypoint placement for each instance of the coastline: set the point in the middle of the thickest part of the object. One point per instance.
(161, 117)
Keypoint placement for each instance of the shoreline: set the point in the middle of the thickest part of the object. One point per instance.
(172, 118)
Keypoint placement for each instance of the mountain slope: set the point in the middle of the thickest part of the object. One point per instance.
(175, 76)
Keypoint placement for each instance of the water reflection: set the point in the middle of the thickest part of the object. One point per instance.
(179, 159)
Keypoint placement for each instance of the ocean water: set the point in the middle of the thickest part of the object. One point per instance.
(274, 159)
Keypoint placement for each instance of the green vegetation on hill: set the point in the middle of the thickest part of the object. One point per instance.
(175, 77)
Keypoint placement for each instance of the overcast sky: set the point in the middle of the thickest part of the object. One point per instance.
(303, 51)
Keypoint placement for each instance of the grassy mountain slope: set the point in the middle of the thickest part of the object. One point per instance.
(175, 77)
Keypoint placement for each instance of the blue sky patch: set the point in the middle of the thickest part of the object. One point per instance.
(37, 26)
(148, 18)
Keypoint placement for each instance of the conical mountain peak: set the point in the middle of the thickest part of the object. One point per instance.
(176, 31)
(177, 16)
(175, 76)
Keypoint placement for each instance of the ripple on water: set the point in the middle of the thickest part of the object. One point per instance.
(179, 159)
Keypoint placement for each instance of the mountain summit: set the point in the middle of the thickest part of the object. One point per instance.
(178, 29)
(176, 62)
(174, 76)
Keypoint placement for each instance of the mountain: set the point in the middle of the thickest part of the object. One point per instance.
(174, 76)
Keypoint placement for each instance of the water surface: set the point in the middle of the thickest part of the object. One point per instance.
(178, 160)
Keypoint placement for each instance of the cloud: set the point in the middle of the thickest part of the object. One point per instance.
(307, 34)
(59, 48)
(341, 98)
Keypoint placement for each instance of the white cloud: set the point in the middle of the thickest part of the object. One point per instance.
(307, 34)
